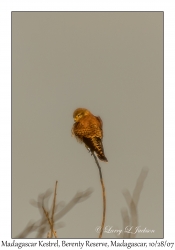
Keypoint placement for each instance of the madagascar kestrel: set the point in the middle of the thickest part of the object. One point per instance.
(88, 129)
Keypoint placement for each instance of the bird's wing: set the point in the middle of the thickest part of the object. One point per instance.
(88, 130)
(100, 126)
(100, 121)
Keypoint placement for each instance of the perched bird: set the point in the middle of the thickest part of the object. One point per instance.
(88, 129)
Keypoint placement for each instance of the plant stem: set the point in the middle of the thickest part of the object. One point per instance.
(103, 194)
(53, 210)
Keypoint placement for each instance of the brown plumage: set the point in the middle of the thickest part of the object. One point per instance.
(89, 129)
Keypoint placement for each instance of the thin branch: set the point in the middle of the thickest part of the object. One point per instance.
(103, 194)
(53, 210)
(126, 222)
(50, 223)
(132, 202)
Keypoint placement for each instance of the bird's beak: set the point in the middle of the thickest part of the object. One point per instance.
(75, 119)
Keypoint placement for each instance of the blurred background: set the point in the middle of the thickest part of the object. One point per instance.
(112, 64)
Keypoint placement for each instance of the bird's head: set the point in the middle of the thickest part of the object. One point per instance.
(79, 113)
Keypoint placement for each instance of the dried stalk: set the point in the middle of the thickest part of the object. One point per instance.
(53, 210)
(51, 221)
(103, 194)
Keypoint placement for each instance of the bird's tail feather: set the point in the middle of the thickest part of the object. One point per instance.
(95, 145)
(102, 158)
